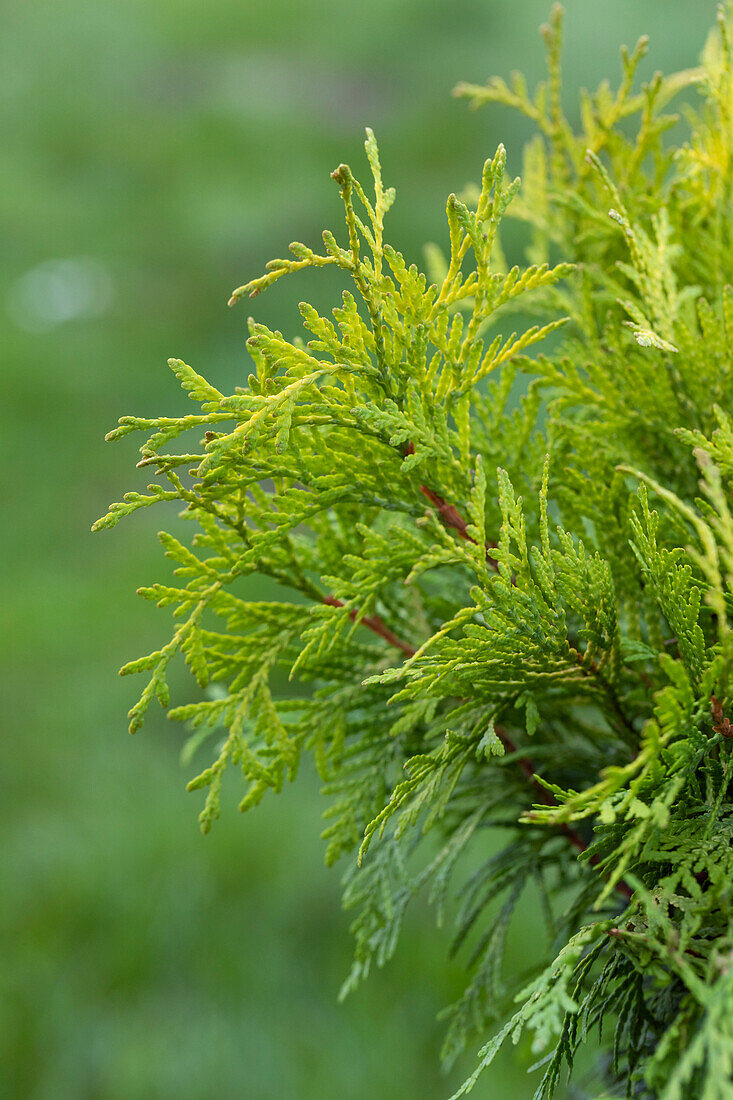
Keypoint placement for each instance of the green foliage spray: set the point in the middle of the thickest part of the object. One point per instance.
(505, 577)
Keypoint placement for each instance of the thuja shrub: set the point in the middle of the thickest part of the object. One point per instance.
(506, 575)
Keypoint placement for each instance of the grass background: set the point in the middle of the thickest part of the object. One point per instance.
(155, 154)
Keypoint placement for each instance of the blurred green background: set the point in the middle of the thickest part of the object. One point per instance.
(154, 155)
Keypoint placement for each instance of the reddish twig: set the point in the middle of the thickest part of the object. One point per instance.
(527, 768)
(376, 625)
(450, 515)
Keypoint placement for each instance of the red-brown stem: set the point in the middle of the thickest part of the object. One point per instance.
(376, 625)
(450, 515)
(525, 765)
(527, 768)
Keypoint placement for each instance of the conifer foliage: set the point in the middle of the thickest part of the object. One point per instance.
(505, 567)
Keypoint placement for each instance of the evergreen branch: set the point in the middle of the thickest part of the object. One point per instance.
(596, 626)
(524, 763)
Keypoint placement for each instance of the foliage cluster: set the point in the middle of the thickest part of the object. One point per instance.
(506, 578)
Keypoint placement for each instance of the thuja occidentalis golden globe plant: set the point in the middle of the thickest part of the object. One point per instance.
(498, 612)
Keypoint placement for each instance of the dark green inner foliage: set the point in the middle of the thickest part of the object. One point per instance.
(495, 505)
